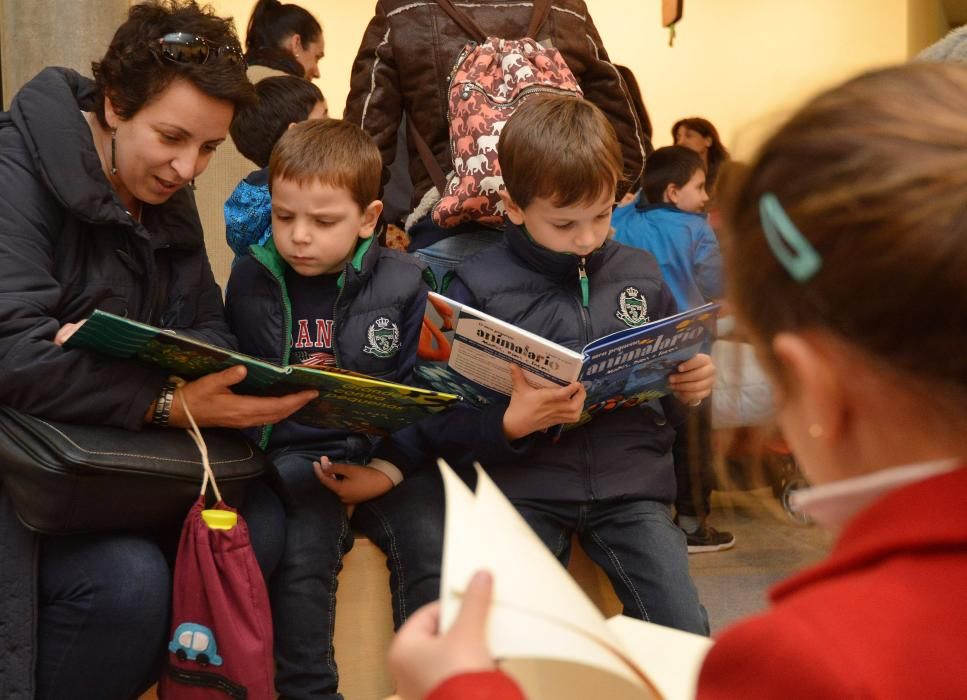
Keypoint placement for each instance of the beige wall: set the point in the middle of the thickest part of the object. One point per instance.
(743, 63)
(926, 22)
(740, 63)
(32, 36)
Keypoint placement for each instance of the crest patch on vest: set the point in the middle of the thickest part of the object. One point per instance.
(632, 308)
(384, 338)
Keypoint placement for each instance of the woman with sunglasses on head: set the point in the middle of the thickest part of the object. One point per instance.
(284, 37)
(96, 212)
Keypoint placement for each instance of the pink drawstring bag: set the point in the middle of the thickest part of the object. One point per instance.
(221, 627)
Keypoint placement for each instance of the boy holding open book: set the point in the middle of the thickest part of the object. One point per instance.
(322, 292)
(556, 274)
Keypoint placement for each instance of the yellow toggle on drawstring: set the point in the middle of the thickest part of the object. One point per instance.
(219, 519)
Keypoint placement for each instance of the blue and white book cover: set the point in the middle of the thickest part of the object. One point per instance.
(631, 367)
(471, 353)
(466, 352)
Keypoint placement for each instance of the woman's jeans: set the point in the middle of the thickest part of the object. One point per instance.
(105, 604)
(406, 523)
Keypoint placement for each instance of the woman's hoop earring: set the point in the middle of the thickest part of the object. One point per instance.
(114, 150)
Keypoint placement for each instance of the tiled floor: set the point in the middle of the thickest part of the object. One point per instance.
(768, 548)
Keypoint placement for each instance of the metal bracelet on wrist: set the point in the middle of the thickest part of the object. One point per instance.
(162, 406)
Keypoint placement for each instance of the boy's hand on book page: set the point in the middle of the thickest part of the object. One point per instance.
(214, 404)
(66, 331)
(350, 482)
(694, 379)
(537, 408)
(420, 658)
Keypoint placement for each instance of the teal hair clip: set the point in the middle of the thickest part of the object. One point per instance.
(790, 247)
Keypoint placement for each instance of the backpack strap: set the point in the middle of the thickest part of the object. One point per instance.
(463, 20)
(433, 168)
(542, 8)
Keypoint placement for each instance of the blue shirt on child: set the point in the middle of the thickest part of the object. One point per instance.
(248, 213)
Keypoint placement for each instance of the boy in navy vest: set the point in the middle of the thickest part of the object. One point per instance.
(556, 274)
(315, 293)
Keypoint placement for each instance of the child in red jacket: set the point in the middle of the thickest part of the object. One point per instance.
(855, 211)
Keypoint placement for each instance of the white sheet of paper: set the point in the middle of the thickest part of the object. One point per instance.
(671, 658)
(484, 531)
(542, 627)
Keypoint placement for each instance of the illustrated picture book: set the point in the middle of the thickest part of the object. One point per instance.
(346, 399)
(543, 630)
(464, 351)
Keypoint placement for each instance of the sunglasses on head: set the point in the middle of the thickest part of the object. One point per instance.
(182, 47)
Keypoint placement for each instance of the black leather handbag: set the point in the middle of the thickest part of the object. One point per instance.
(68, 478)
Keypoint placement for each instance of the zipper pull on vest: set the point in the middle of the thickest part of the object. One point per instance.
(583, 280)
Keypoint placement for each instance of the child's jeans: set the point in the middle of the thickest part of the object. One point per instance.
(639, 547)
(406, 523)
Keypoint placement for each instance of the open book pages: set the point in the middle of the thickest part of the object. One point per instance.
(543, 629)
(467, 352)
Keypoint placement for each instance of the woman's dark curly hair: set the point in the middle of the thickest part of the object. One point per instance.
(133, 72)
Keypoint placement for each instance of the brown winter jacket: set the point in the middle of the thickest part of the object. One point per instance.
(408, 52)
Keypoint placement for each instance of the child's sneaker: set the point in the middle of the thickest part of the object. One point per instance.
(707, 539)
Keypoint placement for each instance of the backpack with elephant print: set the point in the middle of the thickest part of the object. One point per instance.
(490, 79)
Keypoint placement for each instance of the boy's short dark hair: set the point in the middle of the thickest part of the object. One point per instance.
(559, 148)
(281, 100)
(671, 165)
(332, 152)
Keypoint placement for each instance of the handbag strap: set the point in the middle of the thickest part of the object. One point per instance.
(195, 432)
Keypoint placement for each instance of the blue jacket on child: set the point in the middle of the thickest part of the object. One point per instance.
(376, 283)
(248, 213)
(683, 243)
(622, 454)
